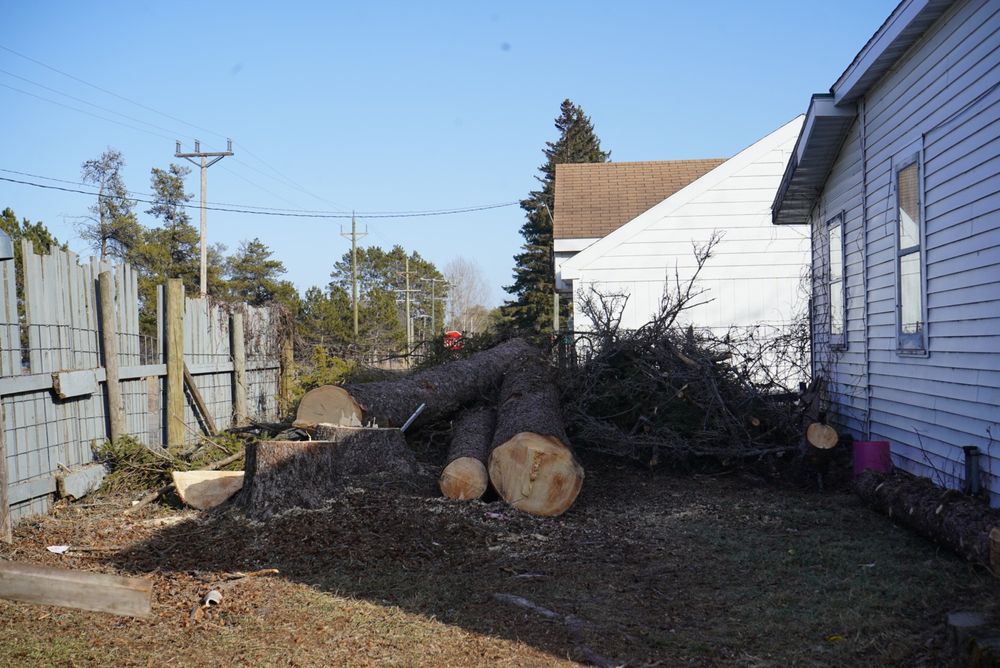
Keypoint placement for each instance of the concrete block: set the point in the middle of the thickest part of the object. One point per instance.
(81, 481)
(68, 384)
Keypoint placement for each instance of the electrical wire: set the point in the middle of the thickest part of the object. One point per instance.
(83, 111)
(79, 99)
(139, 193)
(284, 180)
(287, 214)
(108, 92)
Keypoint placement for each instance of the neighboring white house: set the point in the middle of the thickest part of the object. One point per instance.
(755, 274)
(897, 174)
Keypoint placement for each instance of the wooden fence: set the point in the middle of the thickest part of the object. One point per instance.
(59, 360)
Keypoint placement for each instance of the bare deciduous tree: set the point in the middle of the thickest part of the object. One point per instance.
(468, 293)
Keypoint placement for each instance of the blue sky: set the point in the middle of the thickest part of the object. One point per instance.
(397, 106)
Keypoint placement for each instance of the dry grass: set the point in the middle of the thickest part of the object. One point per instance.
(661, 569)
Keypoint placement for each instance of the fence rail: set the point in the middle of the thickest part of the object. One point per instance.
(55, 367)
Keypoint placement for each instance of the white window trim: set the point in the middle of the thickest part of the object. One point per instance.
(837, 341)
(917, 343)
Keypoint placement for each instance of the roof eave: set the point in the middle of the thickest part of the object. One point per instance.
(901, 30)
(822, 135)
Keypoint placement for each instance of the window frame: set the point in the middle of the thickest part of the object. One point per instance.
(910, 344)
(837, 341)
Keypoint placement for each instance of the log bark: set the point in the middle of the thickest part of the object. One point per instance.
(464, 476)
(443, 390)
(531, 465)
(306, 474)
(960, 522)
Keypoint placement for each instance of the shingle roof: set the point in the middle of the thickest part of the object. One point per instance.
(595, 199)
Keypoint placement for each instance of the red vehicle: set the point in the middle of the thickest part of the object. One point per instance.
(453, 340)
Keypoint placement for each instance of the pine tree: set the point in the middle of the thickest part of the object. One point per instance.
(534, 276)
(254, 276)
(114, 229)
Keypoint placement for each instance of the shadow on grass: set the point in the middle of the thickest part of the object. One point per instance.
(647, 567)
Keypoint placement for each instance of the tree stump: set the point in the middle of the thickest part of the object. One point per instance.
(464, 476)
(306, 474)
(532, 466)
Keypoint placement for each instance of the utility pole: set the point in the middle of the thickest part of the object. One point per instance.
(406, 294)
(204, 164)
(354, 267)
(434, 301)
(409, 323)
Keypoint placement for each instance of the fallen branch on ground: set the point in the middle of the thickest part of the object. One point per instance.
(573, 624)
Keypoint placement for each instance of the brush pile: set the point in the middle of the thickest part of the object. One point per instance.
(671, 393)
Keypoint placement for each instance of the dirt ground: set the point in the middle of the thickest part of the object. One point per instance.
(647, 569)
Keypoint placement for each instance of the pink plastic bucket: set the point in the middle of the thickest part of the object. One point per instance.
(871, 455)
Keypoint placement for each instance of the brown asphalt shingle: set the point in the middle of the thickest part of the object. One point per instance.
(595, 199)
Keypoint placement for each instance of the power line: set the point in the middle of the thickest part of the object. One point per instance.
(108, 92)
(80, 99)
(320, 212)
(284, 180)
(84, 111)
(287, 214)
(139, 193)
(262, 188)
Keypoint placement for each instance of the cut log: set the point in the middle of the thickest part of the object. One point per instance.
(444, 389)
(206, 489)
(822, 436)
(327, 404)
(76, 589)
(464, 476)
(960, 522)
(532, 466)
(305, 474)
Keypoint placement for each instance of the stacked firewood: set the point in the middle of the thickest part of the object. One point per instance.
(507, 431)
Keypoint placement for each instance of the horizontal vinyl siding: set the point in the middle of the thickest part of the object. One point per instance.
(843, 369)
(755, 274)
(943, 97)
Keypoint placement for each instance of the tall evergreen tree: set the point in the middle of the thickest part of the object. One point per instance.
(254, 276)
(114, 229)
(534, 275)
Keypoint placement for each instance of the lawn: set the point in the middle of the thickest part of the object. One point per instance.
(646, 569)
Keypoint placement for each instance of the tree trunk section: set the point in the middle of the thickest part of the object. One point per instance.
(532, 466)
(305, 474)
(464, 476)
(960, 522)
(443, 390)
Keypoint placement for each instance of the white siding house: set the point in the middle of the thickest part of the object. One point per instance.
(897, 174)
(755, 275)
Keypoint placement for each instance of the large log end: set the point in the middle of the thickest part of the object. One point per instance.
(328, 404)
(464, 479)
(535, 473)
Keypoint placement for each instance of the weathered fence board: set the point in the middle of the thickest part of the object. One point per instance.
(52, 335)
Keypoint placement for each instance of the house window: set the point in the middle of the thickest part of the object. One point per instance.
(910, 324)
(838, 301)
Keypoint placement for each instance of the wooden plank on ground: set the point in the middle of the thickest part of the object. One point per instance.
(76, 589)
